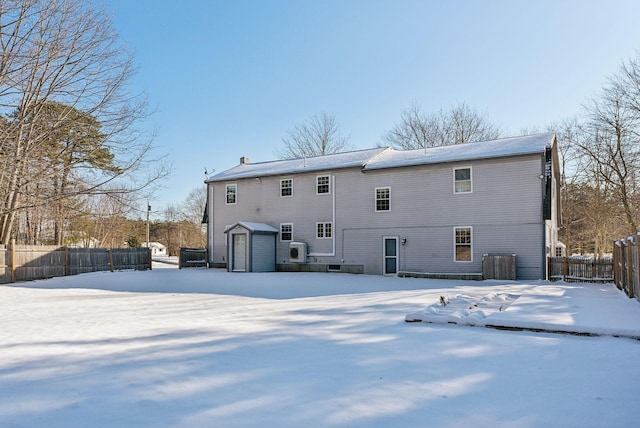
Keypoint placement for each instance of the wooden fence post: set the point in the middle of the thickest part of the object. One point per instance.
(110, 259)
(634, 268)
(66, 261)
(150, 261)
(12, 260)
(620, 266)
(623, 264)
(565, 268)
(629, 266)
(637, 268)
(615, 264)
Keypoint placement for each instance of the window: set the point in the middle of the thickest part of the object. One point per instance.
(232, 193)
(462, 180)
(383, 198)
(286, 187)
(286, 232)
(324, 230)
(463, 246)
(322, 182)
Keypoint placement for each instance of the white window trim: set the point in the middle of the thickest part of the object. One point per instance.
(455, 244)
(375, 199)
(328, 184)
(226, 194)
(281, 181)
(324, 229)
(470, 168)
(286, 224)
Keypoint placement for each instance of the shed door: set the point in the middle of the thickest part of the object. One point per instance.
(390, 255)
(239, 253)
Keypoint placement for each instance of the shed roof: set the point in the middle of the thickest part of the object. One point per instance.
(381, 158)
(253, 227)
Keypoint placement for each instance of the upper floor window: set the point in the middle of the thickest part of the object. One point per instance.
(232, 193)
(383, 198)
(286, 187)
(322, 184)
(286, 231)
(324, 230)
(463, 244)
(462, 180)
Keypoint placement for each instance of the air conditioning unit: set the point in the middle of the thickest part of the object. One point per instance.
(297, 252)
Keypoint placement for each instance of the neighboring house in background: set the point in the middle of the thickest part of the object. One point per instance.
(157, 249)
(380, 211)
(80, 240)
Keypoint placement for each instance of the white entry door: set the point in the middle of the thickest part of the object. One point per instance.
(389, 255)
(239, 253)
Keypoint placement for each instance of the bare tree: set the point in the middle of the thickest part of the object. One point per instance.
(319, 135)
(193, 205)
(192, 215)
(66, 52)
(627, 82)
(613, 143)
(457, 125)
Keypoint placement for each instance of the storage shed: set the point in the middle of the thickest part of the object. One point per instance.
(251, 247)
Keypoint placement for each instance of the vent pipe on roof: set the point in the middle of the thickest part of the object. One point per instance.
(244, 160)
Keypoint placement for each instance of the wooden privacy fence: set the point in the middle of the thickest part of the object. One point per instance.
(192, 257)
(580, 269)
(626, 262)
(29, 262)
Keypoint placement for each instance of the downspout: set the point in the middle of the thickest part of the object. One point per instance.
(546, 208)
(333, 223)
(210, 223)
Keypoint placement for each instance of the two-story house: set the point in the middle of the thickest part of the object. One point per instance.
(381, 211)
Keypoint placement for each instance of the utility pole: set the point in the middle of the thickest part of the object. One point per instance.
(148, 211)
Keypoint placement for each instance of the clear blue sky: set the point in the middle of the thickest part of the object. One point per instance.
(229, 78)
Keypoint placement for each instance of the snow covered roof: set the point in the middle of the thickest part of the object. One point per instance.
(381, 158)
(153, 245)
(290, 166)
(513, 146)
(253, 227)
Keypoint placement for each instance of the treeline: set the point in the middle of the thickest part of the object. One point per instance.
(114, 224)
(172, 234)
(600, 156)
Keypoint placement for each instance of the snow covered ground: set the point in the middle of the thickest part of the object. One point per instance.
(207, 348)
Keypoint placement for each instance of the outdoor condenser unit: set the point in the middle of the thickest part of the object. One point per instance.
(297, 252)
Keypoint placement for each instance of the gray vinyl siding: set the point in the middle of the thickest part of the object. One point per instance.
(504, 210)
(258, 200)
